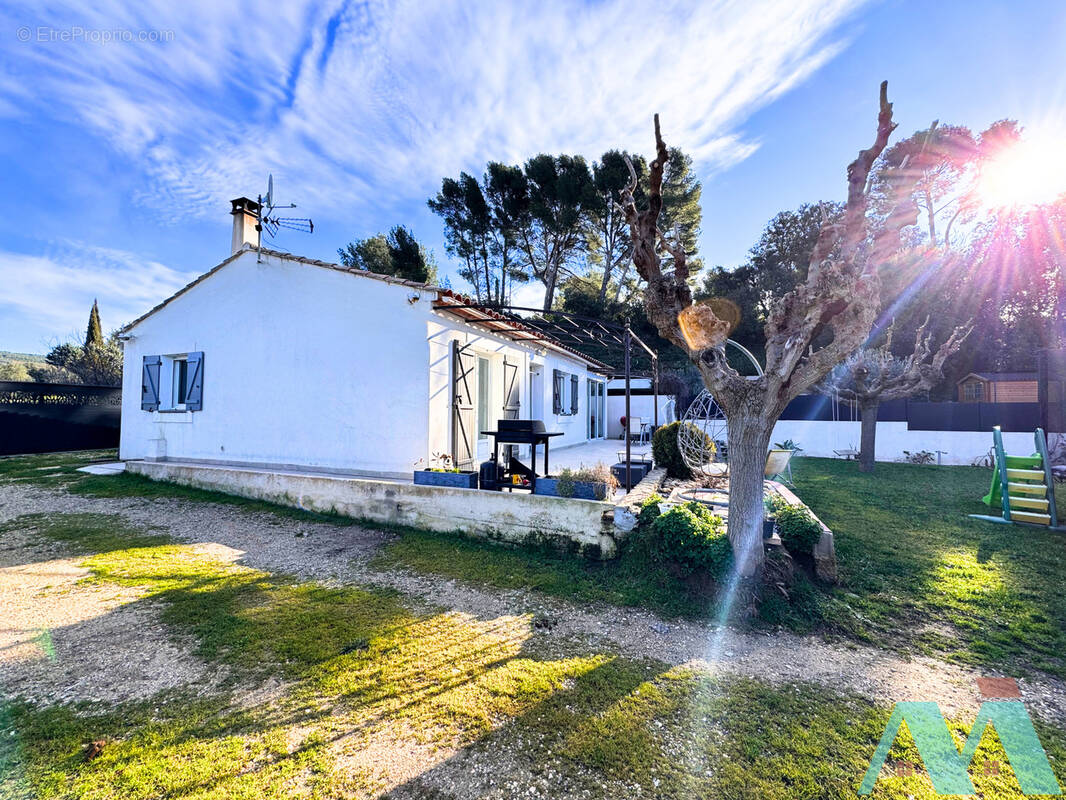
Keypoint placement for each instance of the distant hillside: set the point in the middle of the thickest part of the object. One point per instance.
(26, 358)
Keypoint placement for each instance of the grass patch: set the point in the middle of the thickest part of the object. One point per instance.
(683, 734)
(918, 574)
(60, 471)
(177, 746)
(630, 580)
(365, 672)
(87, 533)
(51, 469)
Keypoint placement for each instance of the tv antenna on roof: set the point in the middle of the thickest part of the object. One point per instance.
(268, 220)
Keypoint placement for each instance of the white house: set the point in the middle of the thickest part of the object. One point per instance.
(282, 361)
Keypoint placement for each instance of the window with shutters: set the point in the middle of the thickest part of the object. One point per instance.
(178, 381)
(565, 394)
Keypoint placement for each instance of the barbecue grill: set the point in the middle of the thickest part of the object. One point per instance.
(495, 475)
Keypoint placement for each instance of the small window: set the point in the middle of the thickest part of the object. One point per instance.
(483, 422)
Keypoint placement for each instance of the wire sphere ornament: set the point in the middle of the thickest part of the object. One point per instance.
(701, 436)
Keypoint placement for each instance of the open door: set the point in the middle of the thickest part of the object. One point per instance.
(512, 400)
(464, 414)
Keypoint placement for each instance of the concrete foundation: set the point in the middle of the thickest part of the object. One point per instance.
(583, 525)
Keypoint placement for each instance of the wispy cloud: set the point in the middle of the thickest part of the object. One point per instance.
(361, 105)
(46, 297)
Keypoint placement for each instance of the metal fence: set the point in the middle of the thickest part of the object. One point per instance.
(921, 415)
(50, 417)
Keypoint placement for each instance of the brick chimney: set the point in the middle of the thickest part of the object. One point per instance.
(244, 224)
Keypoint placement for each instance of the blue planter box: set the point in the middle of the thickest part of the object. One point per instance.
(454, 480)
(583, 490)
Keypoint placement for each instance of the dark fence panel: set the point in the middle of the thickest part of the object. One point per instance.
(1011, 417)
(817, 407)
(925, 416)
(49, 417)
(813, 407)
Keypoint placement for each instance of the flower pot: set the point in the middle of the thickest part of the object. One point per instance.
(583, 490)
(453, 480)
(768, 528)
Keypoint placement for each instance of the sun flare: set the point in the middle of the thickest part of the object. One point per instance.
(1027, 173)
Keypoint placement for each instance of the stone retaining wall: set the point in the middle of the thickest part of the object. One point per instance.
(582, 525)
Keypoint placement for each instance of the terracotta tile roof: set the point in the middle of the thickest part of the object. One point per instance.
(487, 318)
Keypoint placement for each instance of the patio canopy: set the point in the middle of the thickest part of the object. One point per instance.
(609, 347)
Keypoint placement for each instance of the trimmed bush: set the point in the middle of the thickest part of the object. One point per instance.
(797, 527)
(649, 510)
(693, 539)
(666, 453)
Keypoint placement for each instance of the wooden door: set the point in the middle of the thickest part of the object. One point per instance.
(464, 413)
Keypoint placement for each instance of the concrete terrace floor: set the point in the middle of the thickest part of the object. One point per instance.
(591, 453)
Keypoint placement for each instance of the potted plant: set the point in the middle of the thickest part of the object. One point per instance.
(769, 517)
(595, 483)
(441, 472)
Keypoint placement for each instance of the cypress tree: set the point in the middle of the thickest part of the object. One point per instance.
(93, 333)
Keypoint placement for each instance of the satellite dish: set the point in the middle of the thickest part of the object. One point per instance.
(270, 190)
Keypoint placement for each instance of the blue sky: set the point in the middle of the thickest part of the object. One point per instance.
(121, 156)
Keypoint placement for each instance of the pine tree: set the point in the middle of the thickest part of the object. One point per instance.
(93, 334)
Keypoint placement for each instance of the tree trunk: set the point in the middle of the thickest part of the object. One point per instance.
(549, 292)
(931, 212)
(606, 281)
(868, 411)
(749, 438)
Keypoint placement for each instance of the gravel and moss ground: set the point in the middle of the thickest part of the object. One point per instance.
(325, 660)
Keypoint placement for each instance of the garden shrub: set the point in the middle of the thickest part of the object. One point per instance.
(666, 453)
(600, 475)
(649, 510)
(692, 538)
(797, 527)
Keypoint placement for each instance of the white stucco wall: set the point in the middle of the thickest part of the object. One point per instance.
(640, 405)
(302, 365)
(821, 438)
(309, 366)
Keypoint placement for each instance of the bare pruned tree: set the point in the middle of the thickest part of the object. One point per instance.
(840, 295)
(872, 375)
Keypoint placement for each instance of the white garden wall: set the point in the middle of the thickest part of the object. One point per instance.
(640, 405)
(821, 438)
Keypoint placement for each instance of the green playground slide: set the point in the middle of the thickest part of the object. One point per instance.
(1021, 487)
(994, 498)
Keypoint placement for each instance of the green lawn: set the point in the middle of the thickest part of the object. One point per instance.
(917, 575)
(363, 670)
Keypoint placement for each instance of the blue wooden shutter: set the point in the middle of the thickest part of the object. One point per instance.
(557, 392)
(150, 383)
(194, 398)
(573, 394)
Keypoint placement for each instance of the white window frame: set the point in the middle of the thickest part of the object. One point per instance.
(168, 387)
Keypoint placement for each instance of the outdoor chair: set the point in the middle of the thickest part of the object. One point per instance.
(637, 429)
(779, 464)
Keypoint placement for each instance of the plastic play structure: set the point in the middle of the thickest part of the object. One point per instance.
(1021, 487)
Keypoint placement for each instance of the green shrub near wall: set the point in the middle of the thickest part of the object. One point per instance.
(666, 453)
(691, 537)
(797, 527)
